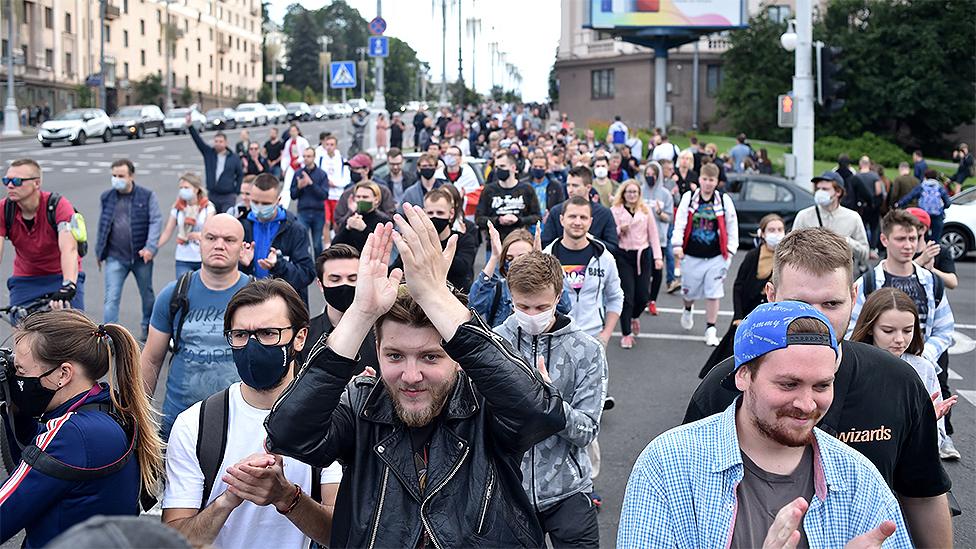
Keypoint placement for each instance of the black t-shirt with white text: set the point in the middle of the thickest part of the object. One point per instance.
(574, 263)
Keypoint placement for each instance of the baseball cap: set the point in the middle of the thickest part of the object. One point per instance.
(765, 330)
(831, 176)
(361, 160)
(921, 215)
(111, 532)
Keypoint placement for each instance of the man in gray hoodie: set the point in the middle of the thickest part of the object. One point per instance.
(556, 471)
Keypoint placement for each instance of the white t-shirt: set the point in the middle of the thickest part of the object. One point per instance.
(665, 151)
(249, 525)
(190, 251)
(335, 167)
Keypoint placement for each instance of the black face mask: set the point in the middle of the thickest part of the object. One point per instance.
(339, 297)
(440, 223)
(263, 366)
(355, 176)
(503, 174)
(426, 173)
(28, 395)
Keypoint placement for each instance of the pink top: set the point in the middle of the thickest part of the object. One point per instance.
(641, 232)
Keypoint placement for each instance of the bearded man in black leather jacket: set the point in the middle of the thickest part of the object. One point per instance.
(432, 450)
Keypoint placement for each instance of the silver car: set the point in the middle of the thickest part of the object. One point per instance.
(176, 120)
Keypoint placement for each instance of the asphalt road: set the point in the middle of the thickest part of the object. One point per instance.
(651, 383)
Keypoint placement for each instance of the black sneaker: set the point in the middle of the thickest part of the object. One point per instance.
(609, 403)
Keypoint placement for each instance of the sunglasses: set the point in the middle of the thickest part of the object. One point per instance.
(17, 181)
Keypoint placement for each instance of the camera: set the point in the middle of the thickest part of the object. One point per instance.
(6, 371)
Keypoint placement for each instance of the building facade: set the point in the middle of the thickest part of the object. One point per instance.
(214, 50)
(600, 76)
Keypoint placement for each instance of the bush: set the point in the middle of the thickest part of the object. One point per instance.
(883, 152)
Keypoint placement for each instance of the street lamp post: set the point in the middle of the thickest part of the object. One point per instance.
(474, 28)
(273, 47)
(168, 44)
(493, 52)
(103, 101)
(11, 122)
(443, 97)
(379, 101)
(801, 42)
(324, 41)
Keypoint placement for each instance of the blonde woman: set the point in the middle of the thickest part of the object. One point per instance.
(636, 232)
(186, 218)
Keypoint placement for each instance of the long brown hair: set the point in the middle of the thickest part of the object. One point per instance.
(518, 235)
(69, 336)
(881, 300)
(619, 199)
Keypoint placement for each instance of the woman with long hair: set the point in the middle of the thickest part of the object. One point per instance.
(636, 232)
(187, 216)
(889, 320)
(660, 202)
(89, 447)
(750, 283)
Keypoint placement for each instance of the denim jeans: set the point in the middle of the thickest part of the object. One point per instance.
(185, 267)
(669, 256)
(115, 274)
(315, 221)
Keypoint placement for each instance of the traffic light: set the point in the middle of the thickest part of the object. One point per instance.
(786, 111)
(830, 73)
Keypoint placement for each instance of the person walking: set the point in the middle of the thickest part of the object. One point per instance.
(397, 128)
(310, 187)
(272, 151)
(223, 171)
(660, 202)
(902, 184)
(932, 198)
(186, 218)
(366, 216)
(292, 159)
(639, 245)
(507, 203)
(829, 213)
(382, 135)
(129, 227)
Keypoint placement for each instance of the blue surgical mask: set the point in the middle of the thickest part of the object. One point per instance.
(119, 183)
(187, 194)
(262, 366)
(264, 212)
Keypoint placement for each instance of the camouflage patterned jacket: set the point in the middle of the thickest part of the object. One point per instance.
(559, 467)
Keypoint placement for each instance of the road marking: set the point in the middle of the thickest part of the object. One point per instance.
(961, 344)
(697, 312)
(967, 394)
(95, 170)
(70, 170)
(154, 148)
(953, 374)
(682, 337)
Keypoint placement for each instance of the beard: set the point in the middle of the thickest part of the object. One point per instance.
(421, 417)
(781, 434)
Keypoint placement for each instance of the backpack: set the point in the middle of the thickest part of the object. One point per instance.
(212, 443)
(930, 200)
(869, 285)
(78, 229)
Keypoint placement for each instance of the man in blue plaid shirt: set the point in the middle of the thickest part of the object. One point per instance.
(760, 474)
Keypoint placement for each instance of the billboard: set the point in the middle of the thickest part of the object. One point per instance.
(711, 14)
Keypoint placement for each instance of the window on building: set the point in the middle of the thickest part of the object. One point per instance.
(211, 61)
(186, 81)
(602, 84)
(68, 67)
(186, 54)
(713, 79)
(48, 18)
(186, 25)
(125, 38)
(778, 14)
(3, 48)
(49, 58)
(108, 34)
(125, 70)
(125, 6)
(211, 34)
(142, 57)
(25, 51)
(245, 46)
(221, 63)
(198, 45)
(142, 27)
(159, 47)
(238, 43)
(159, 16)
(67, 23)
(28, 7)
(199, 70)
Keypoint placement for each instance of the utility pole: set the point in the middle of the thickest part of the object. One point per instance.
(803, 93)
(101, 55)
(379, 101)
(273, 48)
(362, 66)
(443, 98)
(460, 63)
(11, 120)
(168, 40)
(324, 41)
(474, 28)
(493, 52)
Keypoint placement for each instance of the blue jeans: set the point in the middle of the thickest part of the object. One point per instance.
(937, 223)
(116, 272)
(669, 256)
(276, 171)
(185, 267)
(315, 221)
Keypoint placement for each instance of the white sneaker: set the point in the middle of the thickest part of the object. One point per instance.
(711, 337)
(947, 450)
(687, 321)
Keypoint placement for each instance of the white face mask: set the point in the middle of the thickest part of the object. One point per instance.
(119, 183)
(187, 194)
(822, 197)
(600, 172)
(534, 324)
(773, 239)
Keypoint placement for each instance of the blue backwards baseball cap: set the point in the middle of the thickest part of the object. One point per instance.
(764, 330)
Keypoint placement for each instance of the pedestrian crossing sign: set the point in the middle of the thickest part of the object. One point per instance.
(343, 74)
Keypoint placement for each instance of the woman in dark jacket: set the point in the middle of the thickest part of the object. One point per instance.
(366, 197)
(748, 291)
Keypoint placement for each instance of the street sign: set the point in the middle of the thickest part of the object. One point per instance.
(342, 74)
(377, 25)
(786, 111)
(274, 78)
(324, 59)
(93, 80)
(379, 46)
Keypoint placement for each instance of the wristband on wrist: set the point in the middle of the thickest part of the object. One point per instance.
(294, 501)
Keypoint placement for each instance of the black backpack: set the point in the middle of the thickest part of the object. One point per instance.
(52, 207)
(212, 443)
(180, 301)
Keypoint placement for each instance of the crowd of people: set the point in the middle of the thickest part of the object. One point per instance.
(432, 403)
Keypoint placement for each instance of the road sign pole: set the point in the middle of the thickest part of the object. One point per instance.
(11, 121)
(803, 132)
(379, 100)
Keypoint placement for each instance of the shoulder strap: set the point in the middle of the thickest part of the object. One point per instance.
(212, 439)
(495, 301)
(869, 284)
(939, 287)
(52, 206)
(179, 301)
(8, 215)
(316, 484)
(819, 219)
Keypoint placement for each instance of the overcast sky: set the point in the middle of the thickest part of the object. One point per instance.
(526, 30)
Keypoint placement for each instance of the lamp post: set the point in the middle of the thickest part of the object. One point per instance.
(379, 100)
(11, 121)
(493, 52)
(443, 97)
(101, 56)
(474, 29)
(799, 39)
(273, 47)
(169, 39)
(324, 41)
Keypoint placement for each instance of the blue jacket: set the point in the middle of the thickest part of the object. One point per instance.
(296, 265)
(916, 193)
(481, 298)
(46, 506)
(312, 198)
(414, 194)
(145, 218)
(230, 178)
(603, 228)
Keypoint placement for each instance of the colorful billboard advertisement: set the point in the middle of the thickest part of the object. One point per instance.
(712, 14)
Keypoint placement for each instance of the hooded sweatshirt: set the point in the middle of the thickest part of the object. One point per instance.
(600, 292)
(559, 467)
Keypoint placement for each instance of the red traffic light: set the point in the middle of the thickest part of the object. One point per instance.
(787, 105)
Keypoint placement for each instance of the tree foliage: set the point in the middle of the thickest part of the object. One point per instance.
(553, 85)
(400, 74)
(149, 90)
(302, 34)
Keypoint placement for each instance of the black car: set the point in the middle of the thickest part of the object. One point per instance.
(134, 121)
(221, 119)
(757, 195)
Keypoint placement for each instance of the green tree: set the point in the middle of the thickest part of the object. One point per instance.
(553, 85)
(301, 41)
(186, 97)
(149, 90)
(85, 96)
(909, 68)
(400, 73)
(756, 69)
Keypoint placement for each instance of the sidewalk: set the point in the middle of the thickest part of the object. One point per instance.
(29, 132)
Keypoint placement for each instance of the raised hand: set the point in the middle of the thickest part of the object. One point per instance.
(784, 533)
(495, 240)
(537, 241)
(269, 262)
(942, 408)
(376, 287)
(425, 264)
(247, 254)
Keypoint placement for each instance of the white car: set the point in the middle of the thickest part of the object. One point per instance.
(959, 225)
(251, 114)
(176, 120)
(343, 110)
(299, 111)
(277, 114)
(76, 126)
(358, 104)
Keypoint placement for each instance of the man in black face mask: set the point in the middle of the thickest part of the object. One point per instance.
(265, 326)
(337, 266)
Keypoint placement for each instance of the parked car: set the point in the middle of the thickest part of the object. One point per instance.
(299, 111)
(343, 110)
(251, 114)
(176, 120)
(136, 121)
(757, 195)
(320, 112)
(276, 113)
(959, 225)
(382, 169)
(76, 126)
(357, 104)
(221, 119)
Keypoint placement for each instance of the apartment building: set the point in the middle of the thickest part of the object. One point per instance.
(215, 49)
(600, 76)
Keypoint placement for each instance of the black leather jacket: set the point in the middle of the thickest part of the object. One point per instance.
(498, 409)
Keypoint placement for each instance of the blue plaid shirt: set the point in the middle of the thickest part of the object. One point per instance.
(682, 491)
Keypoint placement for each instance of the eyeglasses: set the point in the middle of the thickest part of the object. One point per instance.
(17, 181)
(238, 339)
